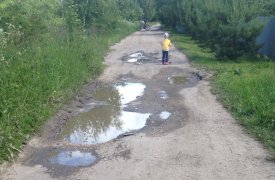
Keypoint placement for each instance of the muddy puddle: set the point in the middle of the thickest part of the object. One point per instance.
(164, 115)
(62, 162)
(140, 57)
(73, 159)
(163, 95)
(178, 79)
(114, 111)
(108, 119)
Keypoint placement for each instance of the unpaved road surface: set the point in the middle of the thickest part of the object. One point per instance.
(197, 140)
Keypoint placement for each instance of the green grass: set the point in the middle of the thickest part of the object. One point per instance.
(39, 77)
(245, 86)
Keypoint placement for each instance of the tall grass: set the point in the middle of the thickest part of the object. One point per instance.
(43, 75)
(245, 86)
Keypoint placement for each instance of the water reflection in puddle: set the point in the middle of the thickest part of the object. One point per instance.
(163, 95)
(132, 60)
(139, 57)
(136, 55)
(177, 79)
(103, 123)
(100, 131)
(130, 92)
(87, 107)
(164, 115)
(73, 158)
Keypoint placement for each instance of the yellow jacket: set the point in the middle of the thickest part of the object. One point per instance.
(166, 43)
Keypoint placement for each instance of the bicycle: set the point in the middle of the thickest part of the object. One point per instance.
(144, 26)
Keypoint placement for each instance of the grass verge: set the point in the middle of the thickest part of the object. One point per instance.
(245, 86)
(41, 76)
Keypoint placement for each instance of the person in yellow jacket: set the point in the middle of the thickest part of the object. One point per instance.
(166, 43)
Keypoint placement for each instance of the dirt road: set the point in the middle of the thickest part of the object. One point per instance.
(187, 134)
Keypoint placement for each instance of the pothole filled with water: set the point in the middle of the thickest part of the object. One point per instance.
(60, 161)
(73, 159)
(163, 95)
(106, 122)
(140, 57)
(164, 115)
(178, 80)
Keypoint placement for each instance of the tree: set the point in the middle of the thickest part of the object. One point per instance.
(33, 16)
(130, 10)
(228, 27)
(148, 7)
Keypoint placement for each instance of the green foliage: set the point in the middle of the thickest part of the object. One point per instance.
(88, 11)
(148, 7)
(270, 8)
(102, 14)
(69, 11)
(31, 16)
(41, 76)
(245, 86)
(227, 27)
(111, 16)
(45, 55)
(169, 12)
(130, 10)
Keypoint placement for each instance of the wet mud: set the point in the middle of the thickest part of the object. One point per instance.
(140, 57)
(62, 161)
(104, 113)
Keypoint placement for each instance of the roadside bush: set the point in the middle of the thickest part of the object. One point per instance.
(33, 17)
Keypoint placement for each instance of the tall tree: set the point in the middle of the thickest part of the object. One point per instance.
(148, 7)
(228, 27)
(130, 10)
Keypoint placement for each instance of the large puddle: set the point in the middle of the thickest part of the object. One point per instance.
(108, 120)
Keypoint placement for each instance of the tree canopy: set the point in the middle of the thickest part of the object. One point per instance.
(228, 27)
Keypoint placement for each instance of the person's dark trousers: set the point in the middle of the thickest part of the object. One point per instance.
(165, 57)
